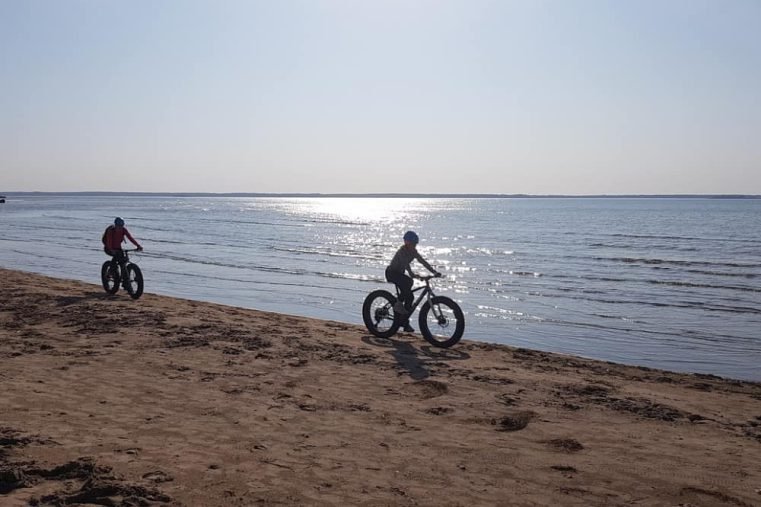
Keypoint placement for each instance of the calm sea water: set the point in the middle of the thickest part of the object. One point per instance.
(666, 283)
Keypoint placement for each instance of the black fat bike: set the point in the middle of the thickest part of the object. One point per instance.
(441, 320)
(131, 278)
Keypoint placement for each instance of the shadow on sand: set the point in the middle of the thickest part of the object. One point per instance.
(87, 296)
(415, 361)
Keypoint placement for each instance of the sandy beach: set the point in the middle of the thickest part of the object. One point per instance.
(163, 401)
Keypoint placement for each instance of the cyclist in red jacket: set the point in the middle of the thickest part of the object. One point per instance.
(113, 237)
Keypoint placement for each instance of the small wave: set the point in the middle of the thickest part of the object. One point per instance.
(461, 269)
(670, 283)
(673, 247)
(676, 262)
(682, 238)
(37, 227)
(711, 307)
(677, 336)
(333, 221)
(171, 242)
(679, 269)
(618, 317)
(721, 273)
(492, 308)
(723, 308)
(353, 276)
(506, 314)
(487, 251)
(525, 273)
(329, 253)
(703, 285)
(511, 272)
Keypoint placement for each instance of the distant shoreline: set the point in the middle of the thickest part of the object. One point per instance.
(393, 195)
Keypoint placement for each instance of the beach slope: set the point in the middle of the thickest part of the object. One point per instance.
(163, 401)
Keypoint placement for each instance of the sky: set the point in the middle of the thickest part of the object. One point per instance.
(471, 96)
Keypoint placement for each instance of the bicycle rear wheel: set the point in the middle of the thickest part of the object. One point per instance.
(378, 314)
(109, 277)
(442, 322)
(134, 281)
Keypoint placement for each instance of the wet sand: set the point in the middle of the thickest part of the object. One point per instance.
(163, 401)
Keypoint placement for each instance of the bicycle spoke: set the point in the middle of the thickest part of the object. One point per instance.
(442, 322)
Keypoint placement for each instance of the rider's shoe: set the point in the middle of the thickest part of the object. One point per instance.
(400, 309)
(408, 329)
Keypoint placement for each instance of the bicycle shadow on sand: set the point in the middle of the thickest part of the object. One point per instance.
(415, 361)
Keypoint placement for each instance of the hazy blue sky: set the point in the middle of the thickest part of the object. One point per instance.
(387, 96)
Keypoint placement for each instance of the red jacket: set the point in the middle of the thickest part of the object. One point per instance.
(114, 237)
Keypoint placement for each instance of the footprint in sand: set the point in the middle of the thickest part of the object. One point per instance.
(564, 468)
(514, 422)
(565, 444)
(439, 410)
(427, 389)
(158, 476)
(715, 496)
(507, 400)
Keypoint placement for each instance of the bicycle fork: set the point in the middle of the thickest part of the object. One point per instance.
(436, 311)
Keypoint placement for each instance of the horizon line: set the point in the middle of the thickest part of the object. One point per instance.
(391, 195)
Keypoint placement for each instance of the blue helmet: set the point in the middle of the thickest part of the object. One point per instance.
(119, 221)
(411, 237)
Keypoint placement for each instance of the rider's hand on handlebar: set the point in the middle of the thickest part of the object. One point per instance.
(139, 249)
(437, 274)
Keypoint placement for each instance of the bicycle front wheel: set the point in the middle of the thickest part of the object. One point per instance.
(134, 282)
(378, 314)
(109, 277)
(442, 322)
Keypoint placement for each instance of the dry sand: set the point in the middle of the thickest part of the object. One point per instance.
(163, 401)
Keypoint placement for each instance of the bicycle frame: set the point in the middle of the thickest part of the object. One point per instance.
(126, 254)
(427, 292)
(121, 267)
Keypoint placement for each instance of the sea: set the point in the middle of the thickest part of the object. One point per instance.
(671, 283)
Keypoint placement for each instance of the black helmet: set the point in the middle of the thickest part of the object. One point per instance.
(411, 237)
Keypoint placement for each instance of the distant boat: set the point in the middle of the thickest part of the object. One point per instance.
(2, 199)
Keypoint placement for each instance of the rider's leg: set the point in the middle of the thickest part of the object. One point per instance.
(122, 260)
(114, 254)
(404, 283)
(407, 297)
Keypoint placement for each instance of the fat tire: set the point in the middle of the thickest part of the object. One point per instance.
(105, 269)
(368, 317)
(426, 332)
(134, 273)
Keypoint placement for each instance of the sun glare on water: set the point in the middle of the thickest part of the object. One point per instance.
(350, 209)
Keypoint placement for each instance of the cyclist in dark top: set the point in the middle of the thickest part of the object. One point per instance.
(113, 237)
(395, 274)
